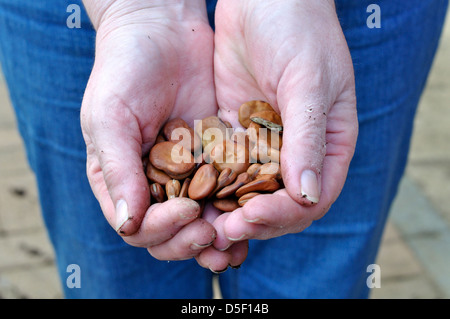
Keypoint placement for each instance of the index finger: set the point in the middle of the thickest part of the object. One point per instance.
(265, 217)
(162, 221)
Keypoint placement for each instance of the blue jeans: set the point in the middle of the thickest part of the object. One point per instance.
(46, 66)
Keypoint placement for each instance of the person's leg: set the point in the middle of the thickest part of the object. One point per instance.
(330, 258)
(211, 9)
(46, 65)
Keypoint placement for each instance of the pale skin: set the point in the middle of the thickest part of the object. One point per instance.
(158, 60)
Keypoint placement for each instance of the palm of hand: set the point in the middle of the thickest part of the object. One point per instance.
(280, 55)
(142, 76)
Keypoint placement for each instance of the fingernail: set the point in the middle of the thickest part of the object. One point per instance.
(225, 248)
(219, 271)
(310, 186)
(236, 239)
(121, 213)
(195, 246)
(255, 220)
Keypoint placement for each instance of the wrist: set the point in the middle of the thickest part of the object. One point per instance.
(327, 3)
(133, 11)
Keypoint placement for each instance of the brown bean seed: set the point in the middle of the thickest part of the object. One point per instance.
(181, 176)
(157, 192)
(226, 177)
(257, 133)
(176, 128)
(258, 185)
(261, 152)
(172, 124)
(211, 130)
(156, 175)
(269, 170)
(269, 119)
(173, 159)
(240, 137)
(248, 108)
(241, 180)
(203, 182)
(232, 155)
(253, 132)
(173, 188)
(246, 197)
(253, 170)
(226, 204)
(184, 188)
(227, 124)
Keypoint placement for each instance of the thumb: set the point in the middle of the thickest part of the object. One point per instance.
(114, 167)
(303, 151)
(319, 139)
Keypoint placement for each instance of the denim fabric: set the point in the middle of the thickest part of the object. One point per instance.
(46, 66)
(330, 258)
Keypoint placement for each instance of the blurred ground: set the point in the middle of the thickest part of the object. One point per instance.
(415, 254)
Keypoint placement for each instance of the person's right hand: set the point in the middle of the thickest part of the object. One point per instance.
(293, 55)
(152, 63)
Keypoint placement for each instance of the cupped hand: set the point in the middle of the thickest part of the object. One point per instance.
(152, 63)
(293, 55)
